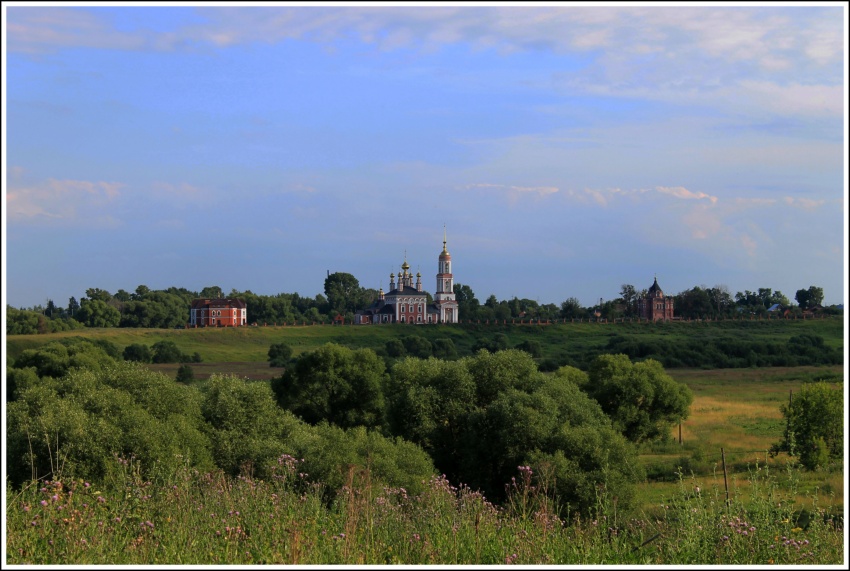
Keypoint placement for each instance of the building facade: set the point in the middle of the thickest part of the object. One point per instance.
(406, 302)
(655, 306)
(218, 313)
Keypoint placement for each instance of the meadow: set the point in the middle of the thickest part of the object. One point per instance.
(765, 511)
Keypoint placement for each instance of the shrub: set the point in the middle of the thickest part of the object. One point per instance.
(279, 355)
(185, 374)
(137, 352)
(815, 424)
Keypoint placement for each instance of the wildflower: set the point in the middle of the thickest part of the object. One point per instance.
(26, 508)
(101, 499)
(55, 498)
(805, 542)
(118, 520)
(43, 502)
(86, 484)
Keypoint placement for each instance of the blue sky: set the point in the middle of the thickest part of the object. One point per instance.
(567, 149)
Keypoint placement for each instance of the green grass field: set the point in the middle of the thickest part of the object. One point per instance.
(562, 340)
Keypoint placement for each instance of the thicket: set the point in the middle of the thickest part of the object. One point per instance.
(721, 352)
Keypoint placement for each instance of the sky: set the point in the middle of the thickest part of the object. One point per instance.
(565, 149)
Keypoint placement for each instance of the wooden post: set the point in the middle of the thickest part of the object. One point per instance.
(680, 433)
(725, 479)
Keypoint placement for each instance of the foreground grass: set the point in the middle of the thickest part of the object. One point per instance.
(214, 519)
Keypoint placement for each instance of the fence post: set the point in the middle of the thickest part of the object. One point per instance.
(725, 479)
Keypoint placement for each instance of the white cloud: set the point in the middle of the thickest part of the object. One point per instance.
(804, 203)
(60, 199)
(684, 193)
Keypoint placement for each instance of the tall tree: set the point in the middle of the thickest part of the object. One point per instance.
(628, 294)
(335, 384)
(343, 292)
(571, 308)
(642, 400)
(467, 303)
(807, 298)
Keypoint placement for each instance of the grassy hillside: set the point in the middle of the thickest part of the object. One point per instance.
(569, 343)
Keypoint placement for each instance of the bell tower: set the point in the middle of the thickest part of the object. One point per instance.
(445, 296)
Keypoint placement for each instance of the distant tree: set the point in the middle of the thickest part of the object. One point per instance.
(628, 294)
(137, 352)
(141, 292)
(814, 425)
(467, 303)
(693, 304)
(416, 346)
(532, 347)
(279, 355)
(395, 348)
(122, 295)
(94, 293)
(168, 352)
(807, 298)
(571, 308)
(209, 292)
(444, 348)
(343, 292)
(642, 400)
(73, 306)
(96, 313)
(185, 374)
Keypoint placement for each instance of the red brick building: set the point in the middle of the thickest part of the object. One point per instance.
(655, 305)
(218, 313)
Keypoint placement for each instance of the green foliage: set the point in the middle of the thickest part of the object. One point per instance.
(331, 454)
(451, 407)
(26, 322)
(18, 380)
(279, 355)
(185, 374)
(57, 358)
(75, 426)
(642, 400)
(417, 346)
(168, 352)
(428, 402)
(138, 352)
(532, 347)
(335, 384)
(444, 348)
(97, 313)
(808, 298)
(344, 293)
(815, 425)
(248, 431)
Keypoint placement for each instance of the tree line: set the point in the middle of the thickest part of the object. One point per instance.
(343, 296)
